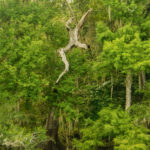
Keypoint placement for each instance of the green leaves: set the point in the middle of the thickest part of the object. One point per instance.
(16, 137)
(125, 52)
(103, 33)
(26, 69)
(30, 35)
(113, 127)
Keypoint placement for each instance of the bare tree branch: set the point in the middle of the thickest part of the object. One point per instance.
(64, 59)
(73, 34)
(68, 23)
(71, 11)
(80, 45)
(80, 23)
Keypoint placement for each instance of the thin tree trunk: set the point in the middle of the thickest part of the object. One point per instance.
(128, 90)
(142, 80)
(109, 12)
(77, 82)
(70, 9)
(112, 87)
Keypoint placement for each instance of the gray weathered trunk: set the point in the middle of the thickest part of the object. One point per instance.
(128, 90)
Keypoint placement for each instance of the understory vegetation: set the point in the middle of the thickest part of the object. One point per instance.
(102, 102)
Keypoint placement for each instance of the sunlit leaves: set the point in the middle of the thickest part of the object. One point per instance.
(114, 127)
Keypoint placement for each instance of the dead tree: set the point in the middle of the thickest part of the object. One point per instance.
(74, 41)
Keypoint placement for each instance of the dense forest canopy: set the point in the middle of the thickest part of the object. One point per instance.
(101, 102)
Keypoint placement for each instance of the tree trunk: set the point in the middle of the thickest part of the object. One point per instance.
(112, 87)
(52, 131)
(128, 90)
(109, 13)
(142, 80)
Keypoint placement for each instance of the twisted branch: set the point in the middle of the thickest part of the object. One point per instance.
(74, 41)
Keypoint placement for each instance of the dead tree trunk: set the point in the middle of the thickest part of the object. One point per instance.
(74, 41)
(128, 89)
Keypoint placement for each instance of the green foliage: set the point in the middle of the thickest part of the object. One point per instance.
(113, 127)
(118, 33)
(125, 52)
(15, 137)
(103, 33)
(25, 55)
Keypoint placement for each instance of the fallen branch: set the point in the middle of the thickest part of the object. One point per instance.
(74, 41)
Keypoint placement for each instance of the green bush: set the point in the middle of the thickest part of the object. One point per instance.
(114, 128)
